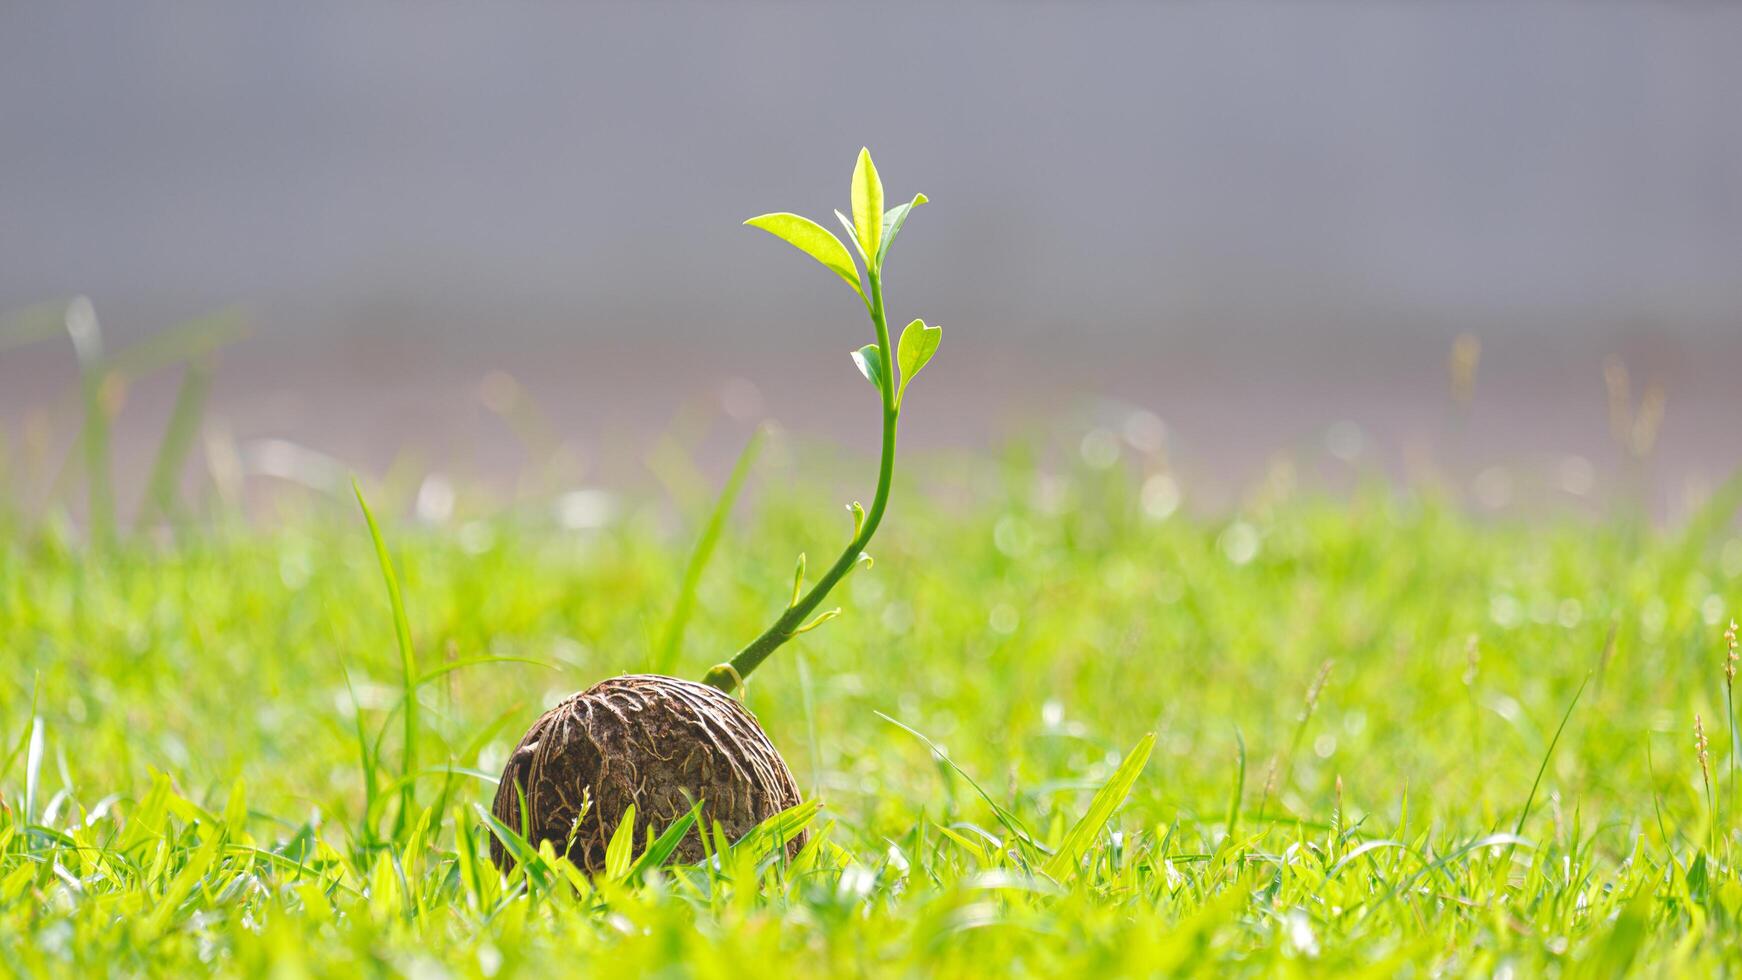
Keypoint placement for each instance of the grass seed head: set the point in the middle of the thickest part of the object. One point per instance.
(1730, 656)
(1700, 749)
(1318, 687)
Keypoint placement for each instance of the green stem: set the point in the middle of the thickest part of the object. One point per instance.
(1730, 716)
(728, 676)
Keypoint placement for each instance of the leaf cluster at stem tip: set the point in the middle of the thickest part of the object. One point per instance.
(871, 229)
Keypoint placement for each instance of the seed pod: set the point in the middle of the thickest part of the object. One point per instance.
(658, 742)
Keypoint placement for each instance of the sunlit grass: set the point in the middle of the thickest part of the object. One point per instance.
(1352, 702)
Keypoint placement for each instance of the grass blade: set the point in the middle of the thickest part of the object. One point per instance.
(365, 756)
(94, 372)
(1101, 807)
(1530, 800)
(666, 843)
(32, 766)
(769, 838)
(621, 847)
(454, 665)
(524, 855)
(407, 659)
(672, 637)
(1239, 783)
(178, 436)
(1011, 821)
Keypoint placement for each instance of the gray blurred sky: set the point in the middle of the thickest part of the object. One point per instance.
(502, 174)
(1254, 219)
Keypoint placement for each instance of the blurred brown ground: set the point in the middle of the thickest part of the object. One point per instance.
(1535, 432)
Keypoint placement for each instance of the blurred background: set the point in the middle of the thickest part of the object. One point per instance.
(1498, 244)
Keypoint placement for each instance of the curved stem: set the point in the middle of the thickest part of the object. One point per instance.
(729, 675)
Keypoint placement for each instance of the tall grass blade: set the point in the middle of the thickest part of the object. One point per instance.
(161, 496)
(407, 659)
(24, 736)
(1011, 821)
(1101, 807)
(1239, 783)
(87, 338)
(1530, 800)
(671, 639)
(365, 757)
(32, 767)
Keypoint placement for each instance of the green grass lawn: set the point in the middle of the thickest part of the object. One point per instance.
(1352, 700)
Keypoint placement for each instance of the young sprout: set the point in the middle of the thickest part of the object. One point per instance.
(889, 367)
(597, 771)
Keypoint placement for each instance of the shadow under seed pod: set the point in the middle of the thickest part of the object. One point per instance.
(658, 742)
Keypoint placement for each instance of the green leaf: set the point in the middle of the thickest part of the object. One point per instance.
(1615, 954)
(183, 884)
(236, 811)
(870, 361)
(822, 618)
(524, 855)
(971, 846)
(797, 581)
(867, 203)
(892, 223)
(666, 843)
(770, 837)
(466, 857)
(852, 233)
(1107, 799)
(918, 343)
(622, 846)
(813, 240)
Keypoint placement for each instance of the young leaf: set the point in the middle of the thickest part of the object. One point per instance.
(852, 233)
(822, 618)
(813, 240)
(867, 203)
(622, 846)
(892, 223)
(918, 343)
(797, 581)
(870, 361)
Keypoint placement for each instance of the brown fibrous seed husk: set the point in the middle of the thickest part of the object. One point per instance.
(658, 742)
